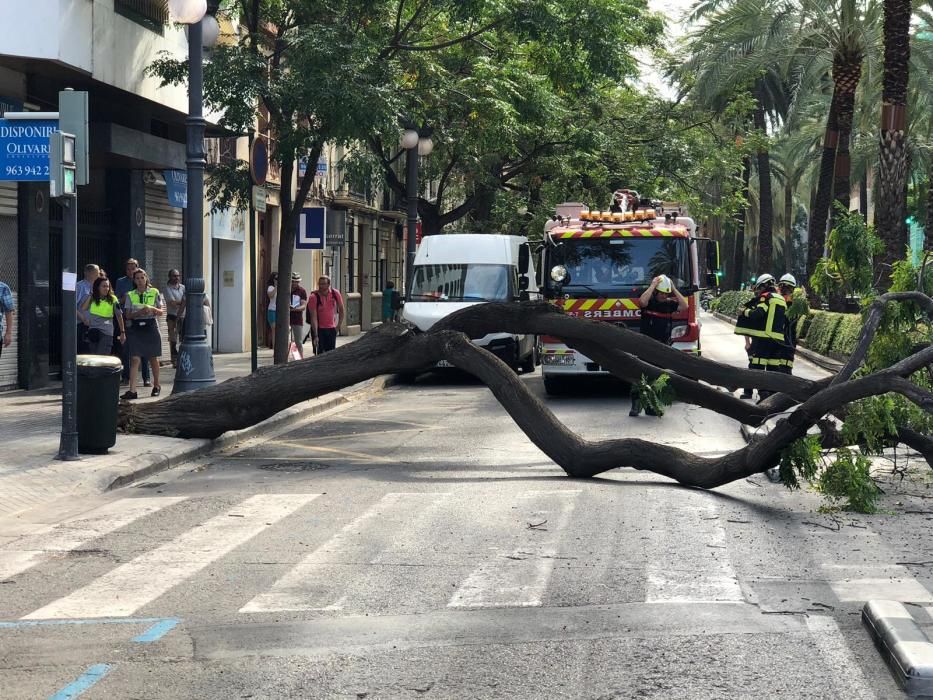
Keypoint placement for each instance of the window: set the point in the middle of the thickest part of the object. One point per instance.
(375, 283)
(152, 14)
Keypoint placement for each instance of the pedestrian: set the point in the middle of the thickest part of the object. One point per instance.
(658, 305)
(123, 286)
(82, 294)
(391, 302)
(143, 306)
(99, 312)
(7, 307)
(272, 288)
(299, 302)
(324, 312)
(174, 310)
(762, 323)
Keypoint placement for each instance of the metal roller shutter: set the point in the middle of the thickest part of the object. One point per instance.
(164, 233)
(9, 274)
(8, 199)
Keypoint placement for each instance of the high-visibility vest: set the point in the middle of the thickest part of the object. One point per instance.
(766, 319)
(103, 308)
(148, 297)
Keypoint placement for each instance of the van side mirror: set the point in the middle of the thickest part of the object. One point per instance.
(524, 258)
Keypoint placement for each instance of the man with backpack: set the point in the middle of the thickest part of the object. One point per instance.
(325, 308)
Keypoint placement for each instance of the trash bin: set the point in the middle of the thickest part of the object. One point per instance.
(98, 396)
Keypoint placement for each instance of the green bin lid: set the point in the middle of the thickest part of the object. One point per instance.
(103, 361)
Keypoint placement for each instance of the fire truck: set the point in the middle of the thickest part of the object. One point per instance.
(596, 264)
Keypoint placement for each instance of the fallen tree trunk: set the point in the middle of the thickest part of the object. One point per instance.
(244, 401)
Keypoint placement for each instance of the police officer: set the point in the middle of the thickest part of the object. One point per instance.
(784, 362)
(762, 323)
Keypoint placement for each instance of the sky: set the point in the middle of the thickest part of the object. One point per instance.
(673, 11)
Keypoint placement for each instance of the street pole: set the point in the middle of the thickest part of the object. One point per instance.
(68, 444)
(412, 202)
(253, 289)
(195, 363)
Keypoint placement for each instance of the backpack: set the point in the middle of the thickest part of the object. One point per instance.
(396, 302)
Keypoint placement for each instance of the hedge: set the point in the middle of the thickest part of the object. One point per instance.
(730, 303)
(822, 331)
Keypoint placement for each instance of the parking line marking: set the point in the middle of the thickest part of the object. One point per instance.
(83, 682)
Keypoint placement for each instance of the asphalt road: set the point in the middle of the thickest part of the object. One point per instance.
(417, 546)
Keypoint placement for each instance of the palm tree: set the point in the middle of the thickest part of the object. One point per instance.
(892, 201)
(741, 48)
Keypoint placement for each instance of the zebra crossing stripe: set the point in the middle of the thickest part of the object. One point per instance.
(679, 571)
(24, 553)
(846, 675)
(304, 587)
(126, 589)
(519, 578)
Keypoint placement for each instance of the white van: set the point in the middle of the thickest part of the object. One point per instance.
(456, 270)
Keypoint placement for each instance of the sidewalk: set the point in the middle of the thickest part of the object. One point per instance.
(30, 427)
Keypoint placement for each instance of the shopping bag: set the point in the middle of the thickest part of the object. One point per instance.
(293, 351)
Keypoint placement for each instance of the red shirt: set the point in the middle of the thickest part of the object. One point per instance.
(296, 318)
(325, 307)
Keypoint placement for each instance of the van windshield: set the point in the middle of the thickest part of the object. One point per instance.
(470, 282)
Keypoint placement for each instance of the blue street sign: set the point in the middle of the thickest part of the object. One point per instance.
(310, 229)
(176, 184)
(24, 149)
(322, 166)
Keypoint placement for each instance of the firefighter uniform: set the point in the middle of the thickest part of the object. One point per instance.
(764, 319)
(784, 362)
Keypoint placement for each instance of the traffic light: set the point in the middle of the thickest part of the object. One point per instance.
(62, 166)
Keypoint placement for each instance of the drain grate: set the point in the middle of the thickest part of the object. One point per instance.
(294, 466)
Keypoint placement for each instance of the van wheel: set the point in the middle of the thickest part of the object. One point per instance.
(554, 386)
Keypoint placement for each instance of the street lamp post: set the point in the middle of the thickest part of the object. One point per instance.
(417, 143)
(195, 367)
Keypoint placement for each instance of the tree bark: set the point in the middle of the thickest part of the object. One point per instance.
(819, 215)
(738, 252)
(765, 201)
(847, 71)
(892, 204)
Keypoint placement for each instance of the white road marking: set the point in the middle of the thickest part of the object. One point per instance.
(519, 578)
(889, 582)
(126, 589)
(309, 587)
(845, 674)
(25, 552)
(688, 569)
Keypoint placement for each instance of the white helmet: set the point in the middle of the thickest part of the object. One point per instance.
(665, 286)
(788, 279)
(764, 279)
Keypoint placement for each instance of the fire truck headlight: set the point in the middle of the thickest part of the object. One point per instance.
(558, 273)
(678, 332)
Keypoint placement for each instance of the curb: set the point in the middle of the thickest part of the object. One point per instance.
(827, 363)
(903, 644)
(160, 462)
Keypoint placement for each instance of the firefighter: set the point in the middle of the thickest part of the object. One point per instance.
(762, 324)
(785, 359)
(658, 305)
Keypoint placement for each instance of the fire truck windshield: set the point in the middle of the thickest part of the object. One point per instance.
(603, 264)
(472, 282)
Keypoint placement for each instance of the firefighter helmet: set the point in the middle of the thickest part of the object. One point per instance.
(664, 285)
(788, 279)
(764, 279)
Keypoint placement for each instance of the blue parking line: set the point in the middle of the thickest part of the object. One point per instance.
(82, 683)
(157, 631)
